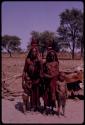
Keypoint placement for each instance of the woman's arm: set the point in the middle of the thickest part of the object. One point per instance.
(25, 75)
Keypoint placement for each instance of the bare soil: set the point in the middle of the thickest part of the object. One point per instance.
(12, 69)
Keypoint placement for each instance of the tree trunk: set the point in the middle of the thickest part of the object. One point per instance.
(73, 50)
(82, 49)
(10, 53)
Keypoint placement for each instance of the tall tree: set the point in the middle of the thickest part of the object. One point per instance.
(10, 43)
(70, 28)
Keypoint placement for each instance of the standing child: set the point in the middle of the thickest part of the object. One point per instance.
(61, 89)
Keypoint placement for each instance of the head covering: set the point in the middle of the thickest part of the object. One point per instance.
(34, 42)
(49, 48)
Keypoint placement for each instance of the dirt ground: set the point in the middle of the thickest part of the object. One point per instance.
(11, 113)
(12, 90)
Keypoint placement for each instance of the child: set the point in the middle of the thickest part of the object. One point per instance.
(26, 94)
(61, 89)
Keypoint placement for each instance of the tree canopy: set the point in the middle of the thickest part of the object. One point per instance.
(45, 39)
(71, 28)
(11, 43)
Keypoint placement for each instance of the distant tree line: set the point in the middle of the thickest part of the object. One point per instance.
(45, 39)
(11, 43)
(68, 35)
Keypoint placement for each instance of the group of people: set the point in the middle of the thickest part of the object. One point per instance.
(43, 79)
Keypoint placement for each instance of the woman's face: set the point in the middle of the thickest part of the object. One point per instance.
(34, 52)
(52, 56)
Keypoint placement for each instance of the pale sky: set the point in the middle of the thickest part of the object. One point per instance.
(21, 18)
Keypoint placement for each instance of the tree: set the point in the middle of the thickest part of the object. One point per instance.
(10, 43)
(56, 44)
(70, 28)
(45, 39)
(34, 35)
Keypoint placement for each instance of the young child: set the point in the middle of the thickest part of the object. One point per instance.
(61, 89)
(26, 94)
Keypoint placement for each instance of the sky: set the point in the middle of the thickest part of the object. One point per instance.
(21, 18)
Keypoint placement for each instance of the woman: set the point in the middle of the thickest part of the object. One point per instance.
(51, 71)
(32, 72)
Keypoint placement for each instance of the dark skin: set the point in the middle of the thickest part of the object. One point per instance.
(50, 58)
(32, 58)
(62, 94)
(34, 54)
(51, 69)
(33, 70)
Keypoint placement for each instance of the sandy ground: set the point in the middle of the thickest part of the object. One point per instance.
(11, 113)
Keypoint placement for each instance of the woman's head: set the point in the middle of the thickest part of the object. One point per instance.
(51, 56)
(33, 53)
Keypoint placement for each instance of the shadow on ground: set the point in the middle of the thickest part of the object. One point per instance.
(80, 97)
(47, 111)
(19, 106)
